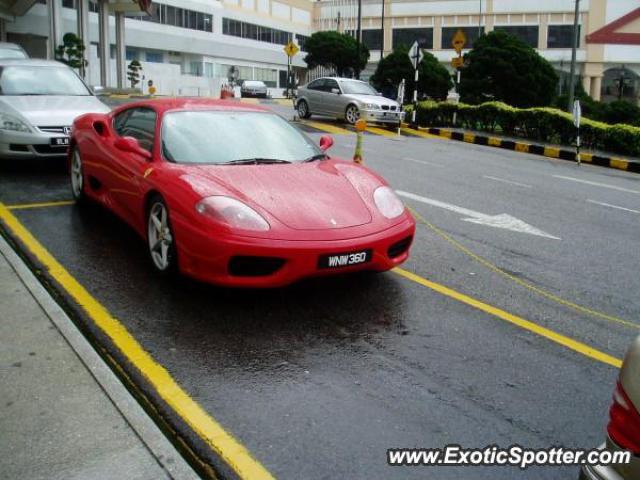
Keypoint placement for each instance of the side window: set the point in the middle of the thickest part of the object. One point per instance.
(316, 84)
(141, 125)
(331, 84)
(118, 121)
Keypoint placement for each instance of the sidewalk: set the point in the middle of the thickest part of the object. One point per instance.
(63, 414)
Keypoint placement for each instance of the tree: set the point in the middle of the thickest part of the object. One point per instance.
(337, 51)
(71, 52)
(133, 72)
(502, 67)
(434, 80)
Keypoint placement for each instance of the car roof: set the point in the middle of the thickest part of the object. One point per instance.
(340, 79)
(14, 46)
(30, 62)
(162, 105)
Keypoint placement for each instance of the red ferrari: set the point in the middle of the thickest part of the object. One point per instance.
(233, 194)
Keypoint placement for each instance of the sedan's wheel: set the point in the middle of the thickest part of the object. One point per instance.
(303, 109)
(77, 176)
(352, 114)
(160, 237)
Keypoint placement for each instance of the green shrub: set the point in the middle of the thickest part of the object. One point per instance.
(542, 124)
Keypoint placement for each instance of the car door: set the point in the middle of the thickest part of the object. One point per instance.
(128, 167)
(313, 95)
(333, 101)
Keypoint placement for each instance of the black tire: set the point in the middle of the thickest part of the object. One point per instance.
(162, 253)
(77, 178)
(303, 109)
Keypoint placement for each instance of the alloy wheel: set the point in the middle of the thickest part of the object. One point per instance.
(160, 236)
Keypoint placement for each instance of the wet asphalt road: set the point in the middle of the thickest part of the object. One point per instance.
(317, 380)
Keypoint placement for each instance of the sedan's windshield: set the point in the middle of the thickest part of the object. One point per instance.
(223, 137)
(356, 87)
(40, 80)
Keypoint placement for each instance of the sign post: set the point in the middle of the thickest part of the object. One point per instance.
(577, 115)
(290, 49)
(400, 100)
(457, 42)
(416, 56)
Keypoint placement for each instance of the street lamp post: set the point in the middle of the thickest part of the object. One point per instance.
(359, 39)
(574, 47)
(382, 39)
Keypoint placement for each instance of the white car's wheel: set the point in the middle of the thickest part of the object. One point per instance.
(160, 237)
(303, 109)
(77, 176)
(352, 114)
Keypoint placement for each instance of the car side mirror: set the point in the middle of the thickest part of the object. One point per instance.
(336, 91)
(326, 142)
(98, 90)
(379, 94)
(131, 145)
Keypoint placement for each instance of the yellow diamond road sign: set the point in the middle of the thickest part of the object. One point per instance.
(291, 49)
(458, 41)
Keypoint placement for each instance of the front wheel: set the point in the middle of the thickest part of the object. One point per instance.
(303, 109)
(160, 237)
(352, 114)
(76, 175)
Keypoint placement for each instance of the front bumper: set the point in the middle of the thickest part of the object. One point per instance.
(30, 145)
(254, 93)
(207, 259)
(382, 116)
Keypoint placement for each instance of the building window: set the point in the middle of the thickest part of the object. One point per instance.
(302, 40)
(251, 31)
(372, 39)
(561, 36)
(526, 33)
(155, 57)
(130, 54)
(178, 17)
(407, 37)
(470, 32)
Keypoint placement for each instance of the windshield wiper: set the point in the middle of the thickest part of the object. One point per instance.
(319, 156)
(255, 161)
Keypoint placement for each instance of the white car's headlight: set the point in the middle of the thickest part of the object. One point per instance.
(10, 122)
(232, 212)
(372, 106)
(388, 202)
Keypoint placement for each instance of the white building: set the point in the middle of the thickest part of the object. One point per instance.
(186, 47)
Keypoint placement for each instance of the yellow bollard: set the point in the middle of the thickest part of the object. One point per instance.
(361, 126)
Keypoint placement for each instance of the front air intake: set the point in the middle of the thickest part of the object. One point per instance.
(241, 266)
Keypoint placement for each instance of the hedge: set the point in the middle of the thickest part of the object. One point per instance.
(540, 124)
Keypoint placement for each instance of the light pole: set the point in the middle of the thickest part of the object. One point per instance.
(574, 47)
(359, 37)
(480, 20)
(382, 39)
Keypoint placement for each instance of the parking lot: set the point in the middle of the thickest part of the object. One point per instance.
(506, 326)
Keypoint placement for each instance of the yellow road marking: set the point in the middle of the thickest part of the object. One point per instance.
(326, 127)
(284, 102)
(558, 338)
(521, 282)
(253, 101)
(206, 427)
(383, 132)
(22, 206)
(419, 133)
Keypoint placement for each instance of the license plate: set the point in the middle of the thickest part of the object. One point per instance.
(339, 260)
(60, 142)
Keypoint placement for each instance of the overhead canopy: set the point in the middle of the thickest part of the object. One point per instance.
(9, 9)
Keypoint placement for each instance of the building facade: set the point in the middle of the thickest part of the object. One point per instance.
(609, 39)
(185, 47)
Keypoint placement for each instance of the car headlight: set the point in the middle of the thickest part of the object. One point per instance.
(232, 212)
(372, 106)
(10, 122)
(388, 202)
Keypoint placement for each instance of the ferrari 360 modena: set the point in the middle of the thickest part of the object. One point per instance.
(234, 195)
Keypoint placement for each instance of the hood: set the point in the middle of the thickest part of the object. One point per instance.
(377, 99)
(51, 110)
(302, 196)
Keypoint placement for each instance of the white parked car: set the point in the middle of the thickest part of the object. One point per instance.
(348, 99)
(253, 88)
(39, 99)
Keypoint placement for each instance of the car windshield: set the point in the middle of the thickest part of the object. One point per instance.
(7, 52)
(224, 137)
(40, 80)
(356, 87)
